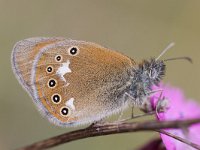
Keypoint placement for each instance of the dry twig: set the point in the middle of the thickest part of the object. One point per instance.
(107, 129)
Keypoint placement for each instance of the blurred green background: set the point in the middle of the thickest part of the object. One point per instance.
(137, 28)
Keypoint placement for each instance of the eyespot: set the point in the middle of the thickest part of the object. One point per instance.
(52, 83)
(65, 111)
(56, 98)
(73, 51)
(49, 69)
(58, 58)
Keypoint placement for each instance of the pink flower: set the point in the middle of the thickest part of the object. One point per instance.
(179, 108)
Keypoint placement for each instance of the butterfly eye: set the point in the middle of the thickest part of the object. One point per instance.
(49, 69)
(52, 83)
(56, 98)
(65, 111)
(73, 51)
(58, 58)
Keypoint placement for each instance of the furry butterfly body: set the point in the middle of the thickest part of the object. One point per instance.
(77, 82)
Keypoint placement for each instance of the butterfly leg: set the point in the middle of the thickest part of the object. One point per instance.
(98, 123)
(147, 104)
(132, 112)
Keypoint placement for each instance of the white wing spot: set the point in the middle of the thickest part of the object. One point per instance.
(70, 103)
(63, 69)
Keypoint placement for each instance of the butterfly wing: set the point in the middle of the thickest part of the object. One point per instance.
(24, 52)
(84, 82)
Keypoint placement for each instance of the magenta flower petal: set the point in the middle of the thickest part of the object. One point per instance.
(179, 109)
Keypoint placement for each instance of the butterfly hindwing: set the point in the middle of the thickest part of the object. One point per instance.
(23, 55)
(75, 82)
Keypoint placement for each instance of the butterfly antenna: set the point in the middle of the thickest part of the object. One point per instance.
(180, 58)
(165, 50)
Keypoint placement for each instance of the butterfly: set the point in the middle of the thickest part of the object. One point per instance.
(77, 82)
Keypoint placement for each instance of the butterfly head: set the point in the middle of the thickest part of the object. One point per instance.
(145, 74)
(148, 73)
(151, 71)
